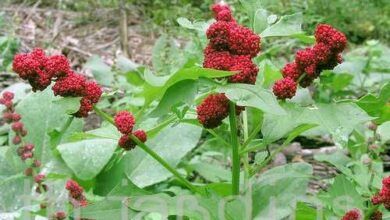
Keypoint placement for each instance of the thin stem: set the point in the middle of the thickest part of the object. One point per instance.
(268, 159)
(153, 154)
(104, 115)
(235, 149)
(245, 157)
(252, 135)
(212, 132)
(65, 127)
(370, 211)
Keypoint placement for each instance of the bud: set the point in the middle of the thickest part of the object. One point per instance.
(372, 126)
(36, 163)
(16, 140)
(28, 171)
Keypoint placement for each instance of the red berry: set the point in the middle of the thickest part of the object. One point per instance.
(39, 178)
(353, 214)
(285, 88)
(124, 121)
(57, 66)
(213, 110)
(36, 163)
(141, 135)
(17, 126)
(28, 171)
(72, 84)
(28, 147)
(85, 107)
(16, 140)
(8, 117)
(8, 95)
(93, 92)
(16, 117)
(60, 215)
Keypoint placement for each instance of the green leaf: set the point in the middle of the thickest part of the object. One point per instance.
(303, 211)
(270, 74)
(337, 159)
(152, 93)
(342, 196)
(279, 189)
(70, 105)
(377, 106)
(166, 57)
(252, 96)
(336, 119)
(125, 64)
(100, 70)
(260, 21)
(384, 131)
(182, 92)
(41, 116)
(87, 158)
(172, 143)
(211, 172)
(286, 26)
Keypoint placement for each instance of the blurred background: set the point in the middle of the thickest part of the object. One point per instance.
(148, 32)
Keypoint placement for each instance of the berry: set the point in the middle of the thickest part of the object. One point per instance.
(39, 178)
(224, 15)
(17, 126)
(377, 215)
(93, 92)
(16, 140)
(218, 34)
(28, 171)
(8, 95)
(285, 88)
(57, 66)
(76, 194)
(36, 163)
(247, 70)
(16, 117)
(353, 214)
(28, 147)
(336, 40)
(60, 215)
(217, 8)
(322, 53)
(383, 197)
(213, 110)
(8, 117)
(290, 70)
(124, 121)
(219, 60)
(127, 143)
(72, 85)
(243, 41)
(85, 107)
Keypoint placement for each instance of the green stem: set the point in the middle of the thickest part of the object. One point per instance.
(245, 157)
(153, 154)
(104, 115)
(268, 159)
(212, 132)
(235, 149)
(252, 135)
(370, 211)
(65, 127)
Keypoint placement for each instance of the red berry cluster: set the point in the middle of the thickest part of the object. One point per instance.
(310, 62)
(125, 121)
(231, 46)
(76, 194)
(383, 197)
(353, 214)
(214, 109)
(40, 70)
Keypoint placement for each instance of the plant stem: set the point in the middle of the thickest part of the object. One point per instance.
(245, 158)
(153, 154)
(212, 132)
(252, 135)
(268, 159)
(65, 127)
(235, 149)
(104, 115)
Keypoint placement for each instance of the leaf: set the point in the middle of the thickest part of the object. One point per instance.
(286, 26)
(342, 196)
(303, 211)
(166, 56)
(211, 172)
(278, 189)
(152, 93)
(172, 143)
(40, 116)
(87, 158)
(253, 96)
(377, 106)
(336, 119)
(69, 105)
(182, 92)
(100, 70)
(384, 131)
(125, 64)
(260, 21)
(271, 74)
(337, 159)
